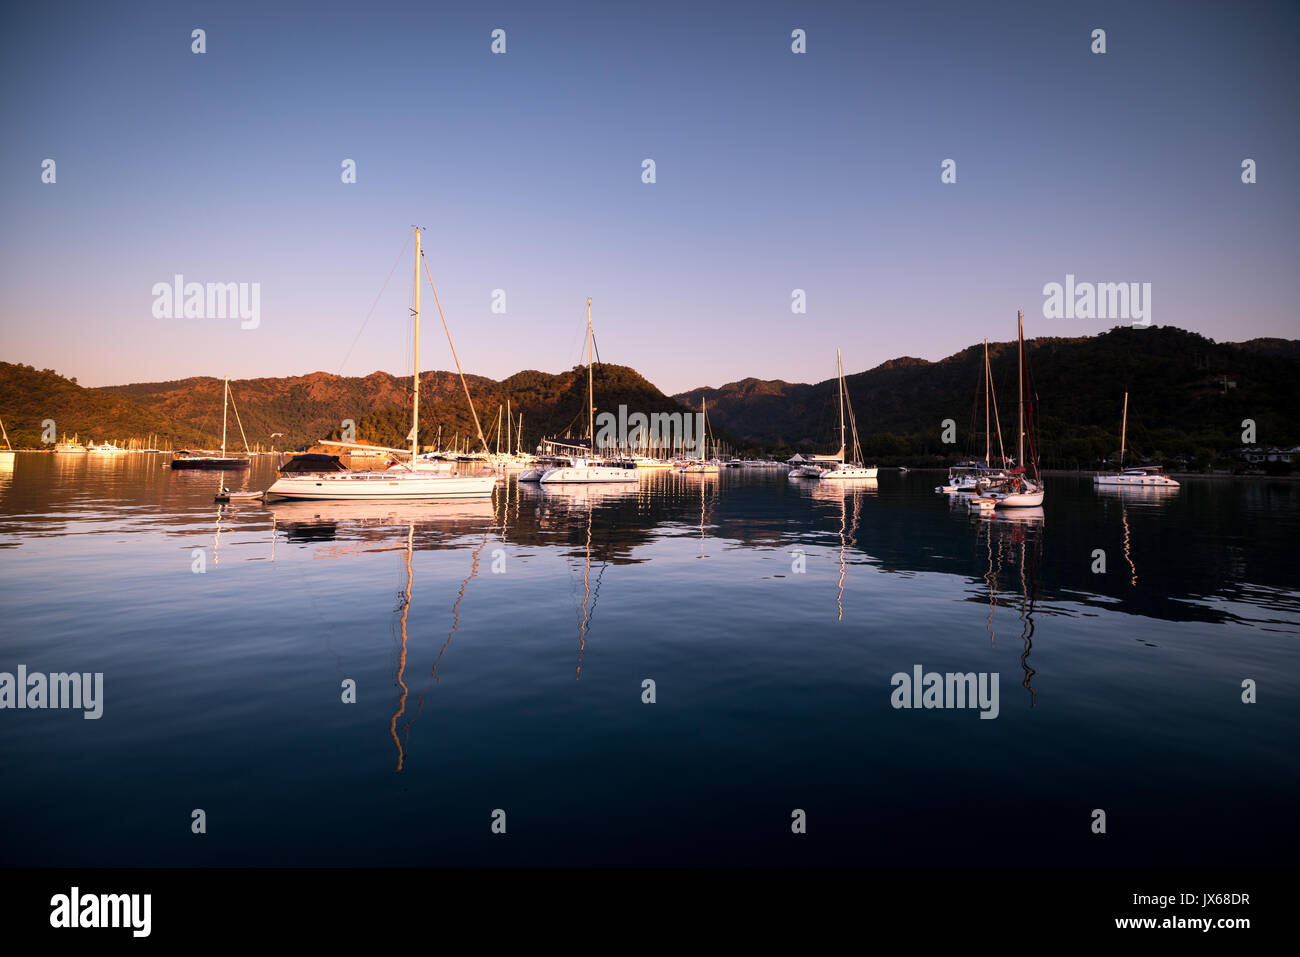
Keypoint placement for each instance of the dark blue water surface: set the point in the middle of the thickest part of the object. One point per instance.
(499, 651)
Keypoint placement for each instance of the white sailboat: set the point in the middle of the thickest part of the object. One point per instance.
(702, 467)
(1019, 490)
(1139, 476)
(847, 471)
(974, 477)
(7, 453)
(582, 469)
(317, 478)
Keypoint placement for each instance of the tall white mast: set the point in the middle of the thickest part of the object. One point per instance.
(704, 427)
(225, 396)
(987, 444)
(591, 386)
(1020, 378)
(1123, 431)
(415, 377)
(839, 366)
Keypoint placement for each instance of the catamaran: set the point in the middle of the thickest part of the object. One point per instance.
(854, 469)
(582, 469)
(184, 459)
(1019, 489)
(320, 478)
(1139, 476)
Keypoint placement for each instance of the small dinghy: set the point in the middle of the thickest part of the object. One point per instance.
(226, 495)
(984, 504)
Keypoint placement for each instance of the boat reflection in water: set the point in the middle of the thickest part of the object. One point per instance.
(1013, 554)
(382, 525)
(1137, 496)
(846, 495)
(578, 504)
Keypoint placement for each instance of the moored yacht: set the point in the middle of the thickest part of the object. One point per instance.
(69, 448)
(582, 470)
(840, 470)
(323, 477)
(1138, 476)
(184, 459)
(1141, 476)
(1020, 488)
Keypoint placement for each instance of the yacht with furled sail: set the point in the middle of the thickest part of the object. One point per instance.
(702, 467)
(184, 459)
(1138, 476)
(854, 469)
(299, 479)
(1023, 485)
(581, 469)
(822, 466)
(971, 476)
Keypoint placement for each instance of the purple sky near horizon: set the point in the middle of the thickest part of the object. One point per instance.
(775, 171)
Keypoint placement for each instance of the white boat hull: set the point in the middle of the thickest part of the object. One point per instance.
(587, 474)
(380, 486)
(1135, 481)
(848, 473)
(1021, 499)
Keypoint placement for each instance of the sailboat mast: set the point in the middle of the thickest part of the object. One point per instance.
(415, 375)
(225, 400)
(988, 450)
(704, 427)
(839, 367)
(1123, 431)
(1020, 378)
(591, 386)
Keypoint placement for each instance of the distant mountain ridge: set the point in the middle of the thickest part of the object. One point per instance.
(1188, 398)
(306, 408)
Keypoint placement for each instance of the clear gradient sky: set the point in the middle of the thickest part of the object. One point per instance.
(775, 171)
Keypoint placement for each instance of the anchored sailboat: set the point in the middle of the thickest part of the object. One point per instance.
(190, 460)
(322, 477)
(853, 469)
(1139, 476)
(583, 469)
(702, 467)
(834, 467)
(1023, 488)
(7, 453)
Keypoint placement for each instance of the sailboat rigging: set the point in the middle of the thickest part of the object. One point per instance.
(584, 469)
(189, 460)
(323, 477)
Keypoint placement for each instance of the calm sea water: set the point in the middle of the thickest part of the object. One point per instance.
(499, 652)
